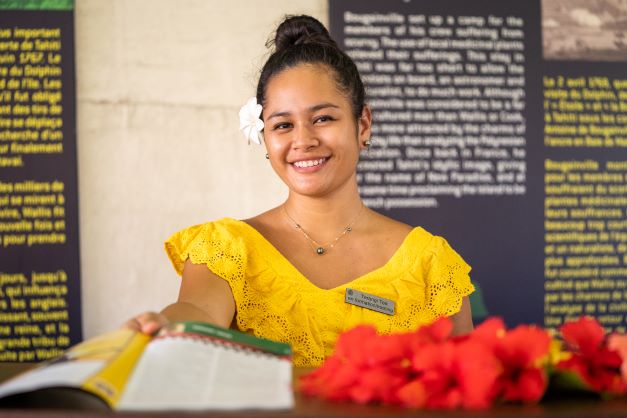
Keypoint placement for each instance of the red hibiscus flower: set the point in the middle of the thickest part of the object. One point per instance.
(350, 344)
(412, 395)
(522, 354)
(456, 374)
(430, 368)
(438, 331)
(379, 384)
(591, 360)
(365, 367)
(618, 343)
(331, 381)
(489, 332)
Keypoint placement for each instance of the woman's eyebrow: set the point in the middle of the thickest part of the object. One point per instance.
(314, 108)
(278, 114)
(323, 106)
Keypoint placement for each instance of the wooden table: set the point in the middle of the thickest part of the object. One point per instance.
(306, 407)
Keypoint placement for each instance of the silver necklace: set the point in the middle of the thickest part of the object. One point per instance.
(321, 249)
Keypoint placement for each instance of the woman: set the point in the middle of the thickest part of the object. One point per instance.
(321, 262)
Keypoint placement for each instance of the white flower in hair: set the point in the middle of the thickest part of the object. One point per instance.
(249, 122)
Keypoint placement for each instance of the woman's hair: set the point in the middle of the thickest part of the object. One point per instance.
(304, 40)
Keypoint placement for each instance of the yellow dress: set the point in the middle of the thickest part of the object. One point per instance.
(425, 278)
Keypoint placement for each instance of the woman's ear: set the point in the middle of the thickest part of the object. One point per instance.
(364, 125)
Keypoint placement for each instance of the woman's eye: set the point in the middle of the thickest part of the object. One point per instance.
(283, 125)
(324, 118)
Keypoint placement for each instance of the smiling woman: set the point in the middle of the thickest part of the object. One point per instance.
(321, 262)
(313, 139)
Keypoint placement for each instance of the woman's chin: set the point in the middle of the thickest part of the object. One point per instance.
(310, 191)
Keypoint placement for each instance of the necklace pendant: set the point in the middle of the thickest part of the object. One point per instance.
(320, 251)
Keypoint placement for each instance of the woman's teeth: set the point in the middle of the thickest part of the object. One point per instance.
(309, 163)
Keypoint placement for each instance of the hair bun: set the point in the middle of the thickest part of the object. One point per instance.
(299, 30)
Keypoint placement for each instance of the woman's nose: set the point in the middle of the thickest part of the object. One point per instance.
(304, 136)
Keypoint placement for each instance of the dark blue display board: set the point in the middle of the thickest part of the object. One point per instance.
(501, 126)
(40, 305)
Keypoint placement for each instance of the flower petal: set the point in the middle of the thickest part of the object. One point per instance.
(529, 386)
(586, 334)
(412, 395)
(524, 346)
(249, 122)
(618, 342)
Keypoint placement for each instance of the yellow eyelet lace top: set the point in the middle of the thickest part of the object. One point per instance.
(425, 278)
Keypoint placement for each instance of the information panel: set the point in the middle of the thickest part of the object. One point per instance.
(501, 125)
(39, 260)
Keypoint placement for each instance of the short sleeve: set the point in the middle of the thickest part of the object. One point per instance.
(447, 279)
(214, 245)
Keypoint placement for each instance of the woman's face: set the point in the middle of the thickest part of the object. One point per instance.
(310, 132)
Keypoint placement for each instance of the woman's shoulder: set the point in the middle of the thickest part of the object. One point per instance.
(387, 229)
(224, 229)
(399, 234)
(385, 222)
(247, 232)
(266, 224)
(220, 245)
(264, 219)
(384, 236)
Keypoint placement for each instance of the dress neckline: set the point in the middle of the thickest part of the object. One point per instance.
(397, 253)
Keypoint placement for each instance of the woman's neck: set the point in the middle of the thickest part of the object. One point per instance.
(324, 217)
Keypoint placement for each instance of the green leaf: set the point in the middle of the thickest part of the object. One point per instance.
(567, 380)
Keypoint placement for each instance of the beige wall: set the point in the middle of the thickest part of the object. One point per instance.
(159, 86)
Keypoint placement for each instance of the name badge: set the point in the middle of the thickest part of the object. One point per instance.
(368, 301)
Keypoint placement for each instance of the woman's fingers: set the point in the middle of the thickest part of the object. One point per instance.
(147, 322)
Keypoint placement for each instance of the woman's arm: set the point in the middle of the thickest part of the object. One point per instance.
(203, 297)
(462, 320)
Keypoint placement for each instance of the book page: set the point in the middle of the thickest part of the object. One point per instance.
(192, 374)
(66, 373)
(76, 366)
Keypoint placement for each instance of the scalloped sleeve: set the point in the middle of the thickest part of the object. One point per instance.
(214, 245)
(447, 279)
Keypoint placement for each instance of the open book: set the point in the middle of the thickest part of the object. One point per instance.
(187, 366)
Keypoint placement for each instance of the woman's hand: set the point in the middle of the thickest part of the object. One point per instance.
(148, 322)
